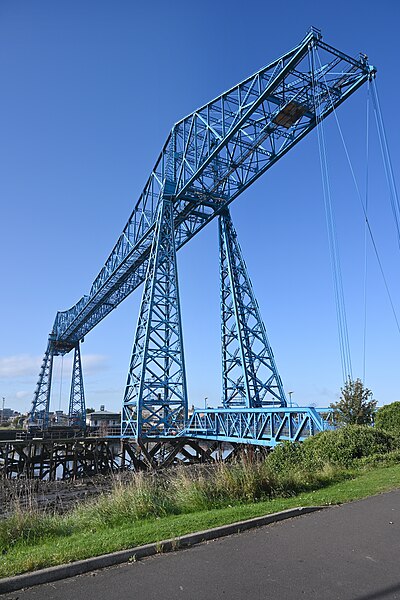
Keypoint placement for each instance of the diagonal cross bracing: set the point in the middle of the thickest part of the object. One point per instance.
(265, 426)
(77, 406)
(155, 400)
(209, 158)
(212, 155)
(249, 373)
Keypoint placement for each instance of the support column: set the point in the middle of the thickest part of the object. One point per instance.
(39, 413)
(77, 406)
(155, 400)
(249, 374)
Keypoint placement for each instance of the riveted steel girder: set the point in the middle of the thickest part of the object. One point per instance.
(39, 413)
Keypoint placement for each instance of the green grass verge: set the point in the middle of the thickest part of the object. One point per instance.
(54, 550)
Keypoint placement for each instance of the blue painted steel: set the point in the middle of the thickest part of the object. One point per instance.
(39, 413)
(155, 401)
(214, 154)
(258, 426)
(77, 406)
(209, 158)
(249, 373)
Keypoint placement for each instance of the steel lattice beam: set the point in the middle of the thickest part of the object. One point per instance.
(261, 426)
(212, 155)
(209, 158)
(39, 413)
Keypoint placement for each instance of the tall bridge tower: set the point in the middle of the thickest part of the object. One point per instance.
(209, 158)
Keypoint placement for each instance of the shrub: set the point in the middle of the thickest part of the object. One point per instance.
(388, 418)
(342, 446)
(286, 457)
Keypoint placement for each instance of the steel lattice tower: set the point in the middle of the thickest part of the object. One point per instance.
(77, 407)
(41, 401)
(155, 401)
(209, 158)
(250, 377)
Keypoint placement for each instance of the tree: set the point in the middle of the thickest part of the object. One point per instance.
(90, 410)
(355, 406)
(388, 418)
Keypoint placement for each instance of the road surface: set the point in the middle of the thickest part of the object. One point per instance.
(343, 552)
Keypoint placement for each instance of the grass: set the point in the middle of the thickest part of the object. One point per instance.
(127, 518)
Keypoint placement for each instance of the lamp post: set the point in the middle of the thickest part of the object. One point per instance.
(205, 403)
(2, 410)
(290, 399)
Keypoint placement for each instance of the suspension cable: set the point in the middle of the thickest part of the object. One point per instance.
(366, 234)
(363, 205)
(387, 163)
(344, 344)
(61, 381)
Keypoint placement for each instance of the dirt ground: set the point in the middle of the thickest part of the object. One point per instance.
(54, 496)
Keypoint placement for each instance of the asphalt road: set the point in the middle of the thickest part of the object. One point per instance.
(347, 552)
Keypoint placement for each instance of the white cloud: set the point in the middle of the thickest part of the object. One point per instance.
(93, 363)
(21, 395)
(26, 365)
(19, 366)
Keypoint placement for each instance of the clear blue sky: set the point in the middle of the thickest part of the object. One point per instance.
(89, 92)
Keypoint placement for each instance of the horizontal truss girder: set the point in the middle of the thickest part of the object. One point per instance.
(259, 426)
(212, 155)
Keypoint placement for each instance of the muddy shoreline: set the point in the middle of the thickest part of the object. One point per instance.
(52, 496)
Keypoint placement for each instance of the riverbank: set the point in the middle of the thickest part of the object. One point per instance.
(69, 544)
(146, 507)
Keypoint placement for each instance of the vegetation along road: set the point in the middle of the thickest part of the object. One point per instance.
(349, 552)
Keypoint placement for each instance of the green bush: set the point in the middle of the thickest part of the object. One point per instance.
(342, 446)
(388, 418)
(286, 457)
(339, 448)
(380, 460)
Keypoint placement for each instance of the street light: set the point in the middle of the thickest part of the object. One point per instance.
(290, 399)
(205, 403)
(2, 410)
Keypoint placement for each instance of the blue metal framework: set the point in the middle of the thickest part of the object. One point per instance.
(257, 426)
(155, 401)
(250, 377)
(209, 158)
(39, 413)
(77, 406)
(41, 400)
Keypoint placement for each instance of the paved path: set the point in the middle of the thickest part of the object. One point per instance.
(347, 552)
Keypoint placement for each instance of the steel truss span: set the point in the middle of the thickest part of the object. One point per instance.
(260, 427)
(209, 158)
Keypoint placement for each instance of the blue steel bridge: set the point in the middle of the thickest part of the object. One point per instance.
(210, 157)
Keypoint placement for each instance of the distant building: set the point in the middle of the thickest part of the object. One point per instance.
(61, 418)
(7, 414)
(103, 418)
